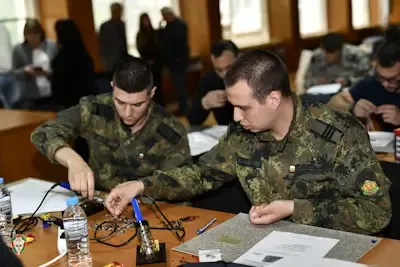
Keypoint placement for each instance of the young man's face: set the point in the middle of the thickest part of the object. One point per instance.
(332, 57)
(131, 107)
(223, 62)
(253, 115)
(388, 77)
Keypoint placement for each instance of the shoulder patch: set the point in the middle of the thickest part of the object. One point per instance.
(169, 134)
(326, 131)
(103, 110)
(160, 110)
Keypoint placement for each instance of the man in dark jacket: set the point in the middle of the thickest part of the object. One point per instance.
(175, 52)
(211, 95)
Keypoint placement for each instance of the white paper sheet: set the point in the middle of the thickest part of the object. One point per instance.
(203, 141)
(216, 131)
(200, 143)
(380, 139)
(281, 245)
(314, 262)
(325, 89)
(27, 194)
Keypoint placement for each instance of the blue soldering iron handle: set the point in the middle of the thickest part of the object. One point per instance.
(136, 210)
(65, 185)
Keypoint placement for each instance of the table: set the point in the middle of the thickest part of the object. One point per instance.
(18, 157)
(44, 248)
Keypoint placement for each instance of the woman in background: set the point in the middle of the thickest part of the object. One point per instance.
(147, 43)
(73, 72)
(31, 66)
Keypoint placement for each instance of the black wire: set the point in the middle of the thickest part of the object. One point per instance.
(30, 222)
(100, 239)
(169, 227)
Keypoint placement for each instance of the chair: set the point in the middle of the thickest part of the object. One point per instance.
(304, 63)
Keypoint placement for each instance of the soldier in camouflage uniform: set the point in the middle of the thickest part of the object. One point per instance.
(336, 62)
(294, 159)
(129, 136)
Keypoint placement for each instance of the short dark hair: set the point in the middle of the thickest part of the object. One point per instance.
(33, 25)
(133, 75)
(116, 5)
(262, 70)
(332, 42)
(224, 45)
(388, 54)
(392, 33)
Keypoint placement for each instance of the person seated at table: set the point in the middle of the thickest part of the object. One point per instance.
(294, 159)
(336, 62)
(129, 136)
(376, 99)
(211, 94)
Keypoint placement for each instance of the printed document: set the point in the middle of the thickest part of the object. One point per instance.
(278, 246)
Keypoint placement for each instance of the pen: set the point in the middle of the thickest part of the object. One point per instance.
(202, 229)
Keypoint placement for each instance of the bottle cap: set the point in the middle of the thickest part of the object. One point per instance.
(71, 201)
(1, 180)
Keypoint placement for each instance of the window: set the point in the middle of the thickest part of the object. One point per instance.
(13, 15)
(312, 17)
(132, 11)
(244, 21)
(360, 13)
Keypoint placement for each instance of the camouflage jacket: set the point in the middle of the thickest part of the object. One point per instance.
(325, 164)
(116, 155)
(354, 65)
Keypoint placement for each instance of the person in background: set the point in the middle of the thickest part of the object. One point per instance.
(211, 94)
(113, 45)
(336, 62)
(31, 66)
(376, 97)
(175, 53)
(8, 90)
(295, 160)
(148, 45)
(73, 72)
(128, 135)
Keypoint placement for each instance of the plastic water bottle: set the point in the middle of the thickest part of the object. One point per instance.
(6, 221)
(76, 234)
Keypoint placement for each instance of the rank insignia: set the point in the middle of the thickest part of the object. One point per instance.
(18, 243)
(292, 169)
(369, 188)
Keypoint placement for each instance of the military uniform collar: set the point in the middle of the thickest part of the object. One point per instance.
(125, 130)
(297, 110)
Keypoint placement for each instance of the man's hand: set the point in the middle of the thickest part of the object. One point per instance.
(364, 108)
(81, 178)
(272, 212)
(214, 99)
(390, 114)
(29, 70)
(122, 195)
(322, 80)
(342, 81)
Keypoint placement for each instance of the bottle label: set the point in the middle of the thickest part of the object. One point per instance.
(5, 204)
(75, 230)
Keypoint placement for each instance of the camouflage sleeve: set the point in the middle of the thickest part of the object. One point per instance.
(362, 69)
(360, 201)
(179, 155)
(54, 134)
(215, 168)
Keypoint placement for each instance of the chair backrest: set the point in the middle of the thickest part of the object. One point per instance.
(304, 63)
